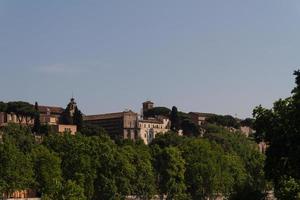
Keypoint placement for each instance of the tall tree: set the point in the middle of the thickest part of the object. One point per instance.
(37, 123)
(280, 128)
(66, 117)
(3, 106)
(77, 119)
(23, 111)
(175, 124)
(16, 171)
(71, 191)
(20, 136)
(47, 171)
(171, 168)
(72, 115)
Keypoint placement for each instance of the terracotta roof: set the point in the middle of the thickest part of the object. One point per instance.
(153, 121)
(106, 116)
(52, 109)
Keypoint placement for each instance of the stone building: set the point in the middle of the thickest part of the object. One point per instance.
(149, 128)
(200, 118)
(147, 105)
(121, 125)
(22, 194)
(49, 115)
(6, 118)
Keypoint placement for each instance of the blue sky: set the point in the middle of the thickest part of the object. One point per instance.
(209, 56)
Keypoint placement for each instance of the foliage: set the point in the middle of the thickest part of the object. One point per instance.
(288, 189)
(20, 136)
(37, 123)
(15, 169)
(3, 106)
(247, 122)
(189, 128)
(23, 110)
(226, 120)
(142, 173)
(170, 168)
(279, 127)
(157, 111)
(92, 130)
(175, 123)
(92, 166)
(77, 118)
(48, 175)
(71, 191)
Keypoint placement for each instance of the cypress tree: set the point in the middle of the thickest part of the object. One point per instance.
(174, 119)
(37, 123)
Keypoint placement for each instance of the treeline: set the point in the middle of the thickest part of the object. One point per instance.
(91, 166)
(182, 121)
(279, 127)
(27, 112)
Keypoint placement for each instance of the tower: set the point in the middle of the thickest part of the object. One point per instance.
(147, 105)
(72, 106)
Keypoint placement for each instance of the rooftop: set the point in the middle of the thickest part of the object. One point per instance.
(152, 121)
(107, 115)
(52, 109)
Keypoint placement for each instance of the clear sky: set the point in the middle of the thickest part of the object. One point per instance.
(208, 56)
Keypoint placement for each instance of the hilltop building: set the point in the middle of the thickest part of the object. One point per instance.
(22, 195)
(49, 115)
(122, 125)
(127, 124)
(200, 118)
(147, 105)
(6, 118)
(149, 127)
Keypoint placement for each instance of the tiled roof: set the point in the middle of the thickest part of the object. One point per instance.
(153, 121)
(52, 109)
(105, 116)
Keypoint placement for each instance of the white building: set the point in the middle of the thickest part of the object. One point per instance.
(149, 128)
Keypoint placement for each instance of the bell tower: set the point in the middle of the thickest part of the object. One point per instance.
(72, 106)
(147, 105)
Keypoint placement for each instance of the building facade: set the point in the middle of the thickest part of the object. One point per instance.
(49, 115)
(149, 128)
(121, 125)
(22, 194)
(6, 118)
(200, 118)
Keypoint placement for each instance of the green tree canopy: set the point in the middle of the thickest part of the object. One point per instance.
(16, 171)
(3, 106)
(37, 123)
(280, 128)
(175, 123)
(226, 120)
(157, 111)
(47, 171)
(23, 110)
(170, 167)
